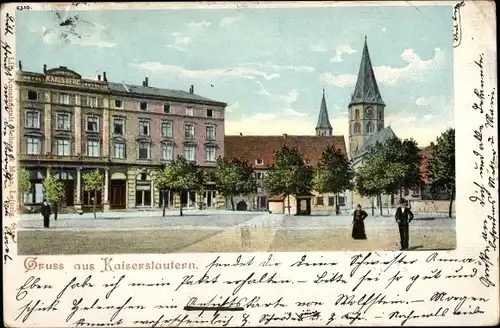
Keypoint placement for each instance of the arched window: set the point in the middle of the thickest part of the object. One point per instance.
(143, 190)
(369, 127)
(356, 114)
(357, 128)
(379, 114)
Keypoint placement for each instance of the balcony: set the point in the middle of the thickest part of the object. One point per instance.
(72, 158)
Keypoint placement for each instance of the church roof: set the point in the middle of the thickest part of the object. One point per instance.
(366, 90)
(380, 136)
(323, 120)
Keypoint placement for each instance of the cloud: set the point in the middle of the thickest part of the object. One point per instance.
(84, 34)
(198, 25)
(263, 91)
(293, 112)
(228, 21)
(319, 48)
(233, 107)
(384, 29)
(428, 117)
(416, 70)
(422, 101)
(279, 124)
(183, 73)
(341, 50)
(341, 80)
(424, 130)
(180, 41)
(276, 67)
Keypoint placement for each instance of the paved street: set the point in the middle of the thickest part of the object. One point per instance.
(222, 231)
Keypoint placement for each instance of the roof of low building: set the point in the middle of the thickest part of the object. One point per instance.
(254, 148)
(379, 136)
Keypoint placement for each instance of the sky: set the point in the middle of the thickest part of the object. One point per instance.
(268, 65)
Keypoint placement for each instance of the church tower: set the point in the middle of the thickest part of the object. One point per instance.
(366, 109)
(323, 128)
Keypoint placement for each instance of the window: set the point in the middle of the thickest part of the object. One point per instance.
(356, 114)
(210, 154)
(118, 126)
(379, 114)
(189, 153)
(259, 175)
(63, 122)
(357, 128)
(33, 119)
(144, 127)
(167, 108)
(380, 126)
(210, 113)
(189, 131)
(259, 161)
(341, 200)
(167, 152)
(92, 148)
(166, 129)
(143, 190)
(210, 132)
(64, 98)
(32, 95)
(369, 127)
(144, 105)
(119, 150)
(32, 146)
(118, 103)
(144, 150)
(92, 123)
(331, 201)
(319, 200)
(89, 101)
(62, 147)
(189, 111)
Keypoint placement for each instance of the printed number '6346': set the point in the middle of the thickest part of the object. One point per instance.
(23, 7)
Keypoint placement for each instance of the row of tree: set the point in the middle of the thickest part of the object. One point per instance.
(388, 168)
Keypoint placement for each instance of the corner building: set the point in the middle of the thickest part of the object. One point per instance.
(70, 125)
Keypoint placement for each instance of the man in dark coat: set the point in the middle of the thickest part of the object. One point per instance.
(403, 217)
(45, 211)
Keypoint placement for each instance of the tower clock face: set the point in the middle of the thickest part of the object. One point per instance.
(369, 112)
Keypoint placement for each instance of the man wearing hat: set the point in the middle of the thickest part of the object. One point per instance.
(403, 217)
(45, 211)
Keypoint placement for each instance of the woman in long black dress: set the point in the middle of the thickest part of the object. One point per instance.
(358, 228)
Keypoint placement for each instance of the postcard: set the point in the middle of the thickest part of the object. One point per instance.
(249, 164)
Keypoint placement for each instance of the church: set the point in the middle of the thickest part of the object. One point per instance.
(366, 127)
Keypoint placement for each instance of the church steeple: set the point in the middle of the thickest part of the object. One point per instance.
(366, 90)
(323, 128)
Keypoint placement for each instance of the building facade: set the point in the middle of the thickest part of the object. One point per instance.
(71, 125)
(259, 152)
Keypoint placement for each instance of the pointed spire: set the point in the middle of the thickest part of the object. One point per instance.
(323, 127)
(366, 90)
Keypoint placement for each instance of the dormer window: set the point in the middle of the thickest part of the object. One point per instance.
(259, 161)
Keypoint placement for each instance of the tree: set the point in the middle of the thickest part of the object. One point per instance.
(441, 169)
(334, 173)
(389, 167)
(54, 191)
(289, 175)
(181, 175)
(24, 181)
(93, 181)
(161, 184)
(234, 177)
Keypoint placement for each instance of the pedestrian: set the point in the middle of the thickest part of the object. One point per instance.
(358, 228)
(45, 211)
(403, 217)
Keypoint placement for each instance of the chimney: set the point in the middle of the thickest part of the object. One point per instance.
(20, 66)
(104, 78)
(99, 77)
(285, 135)
(44, 68)
(191, 90)
(241, 134)
(146, 82)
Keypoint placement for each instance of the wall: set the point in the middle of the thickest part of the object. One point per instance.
(435, 206)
